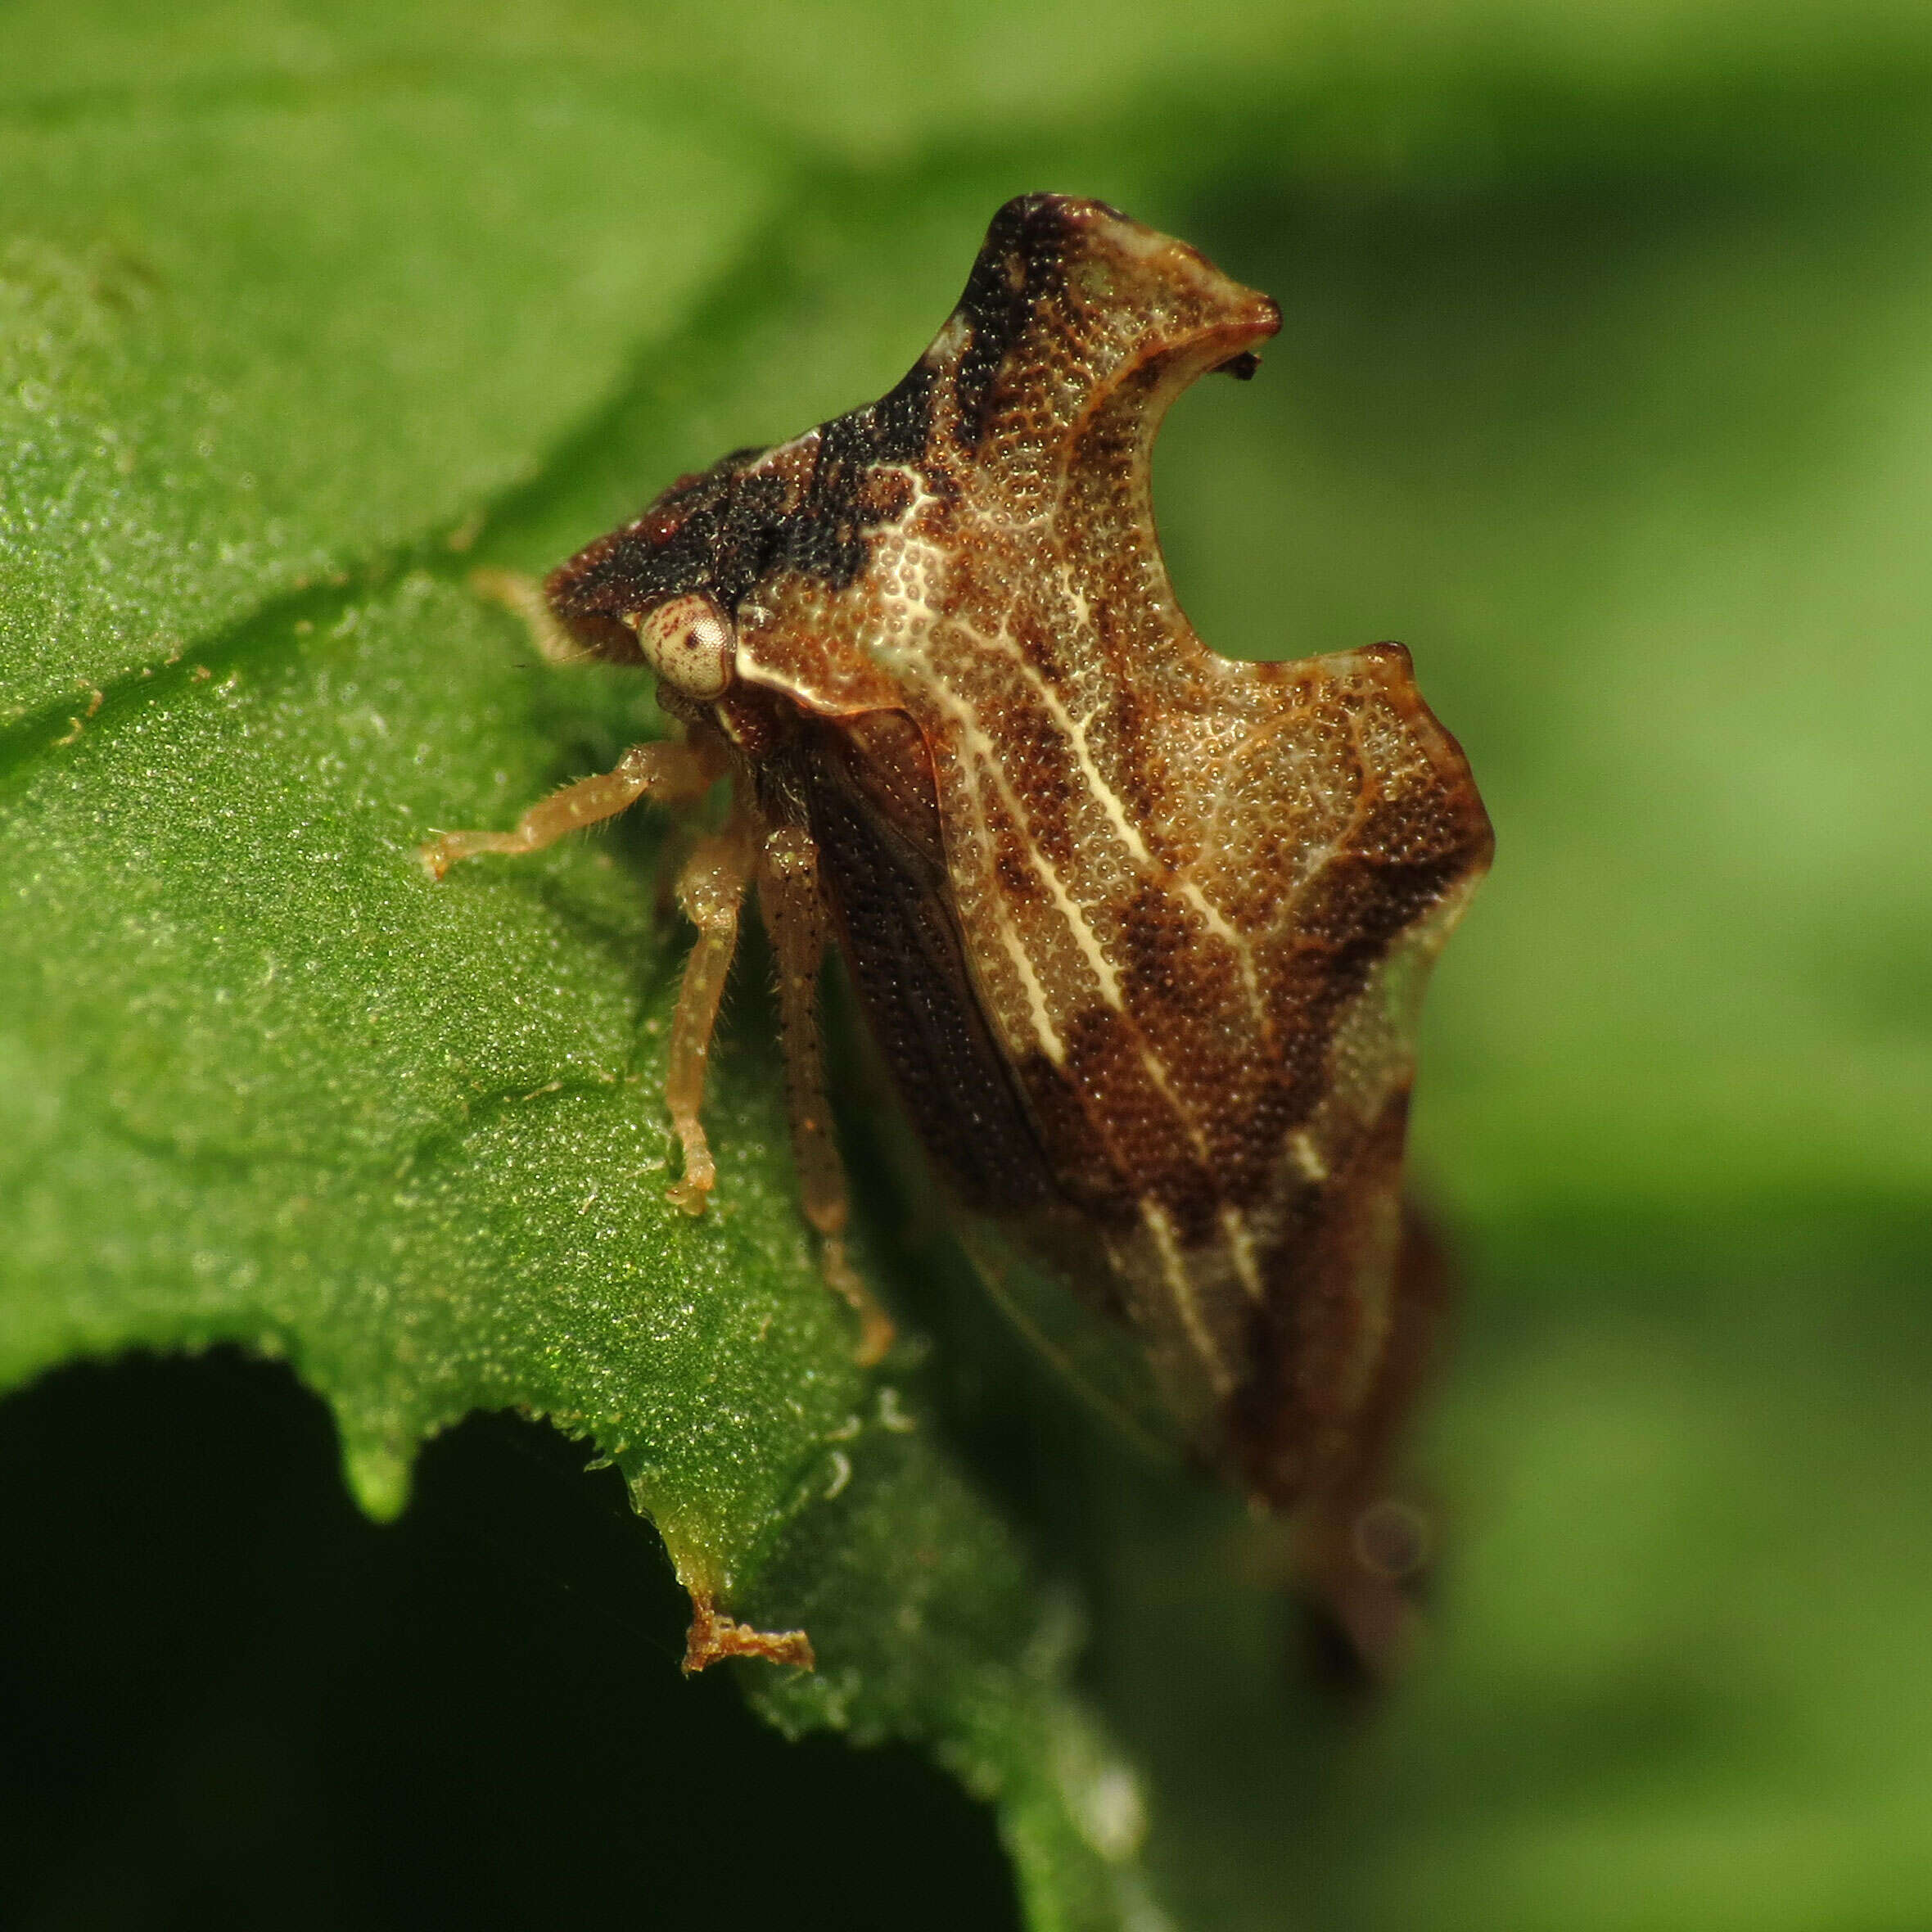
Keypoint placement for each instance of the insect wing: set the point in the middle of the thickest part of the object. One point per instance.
(882, 868)
(886, 886)
(1102, 1361)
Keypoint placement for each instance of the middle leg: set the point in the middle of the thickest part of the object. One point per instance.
(710, 889)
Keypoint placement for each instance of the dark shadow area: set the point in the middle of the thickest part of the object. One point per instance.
(227, 1700)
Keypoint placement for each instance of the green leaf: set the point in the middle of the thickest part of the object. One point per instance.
(220, 381)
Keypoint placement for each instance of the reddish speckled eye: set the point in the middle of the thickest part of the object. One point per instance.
(689, 643)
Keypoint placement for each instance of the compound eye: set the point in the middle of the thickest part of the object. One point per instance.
(689, 643)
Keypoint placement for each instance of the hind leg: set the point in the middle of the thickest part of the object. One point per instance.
(794, 912)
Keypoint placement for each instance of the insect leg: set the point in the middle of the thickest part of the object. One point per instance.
(523, 597)
(710, 889)
(794, 909)
(667, 771)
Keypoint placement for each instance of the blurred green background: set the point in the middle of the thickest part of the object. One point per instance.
(1605, 384)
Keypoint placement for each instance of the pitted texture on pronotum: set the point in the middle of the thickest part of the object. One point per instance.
(1140, 930)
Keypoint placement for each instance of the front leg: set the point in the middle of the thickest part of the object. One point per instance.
(709, 889)
(669, 772)
(523, 598)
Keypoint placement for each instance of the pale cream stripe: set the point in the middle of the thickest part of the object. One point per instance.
(1023, 961)
(1074, 730)
(1186, 1303)
(1241, 1244)
(1217, 924)
(1303, 1150)
(982, 752)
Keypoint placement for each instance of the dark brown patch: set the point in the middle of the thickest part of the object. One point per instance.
(902, 950)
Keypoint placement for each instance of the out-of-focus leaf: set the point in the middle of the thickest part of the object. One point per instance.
(1641, 480)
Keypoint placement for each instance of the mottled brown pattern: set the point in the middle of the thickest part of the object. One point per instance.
(1140, 931)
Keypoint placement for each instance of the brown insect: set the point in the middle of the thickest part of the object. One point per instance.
(1139, 931)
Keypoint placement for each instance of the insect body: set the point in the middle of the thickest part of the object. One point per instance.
(1140, 930)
